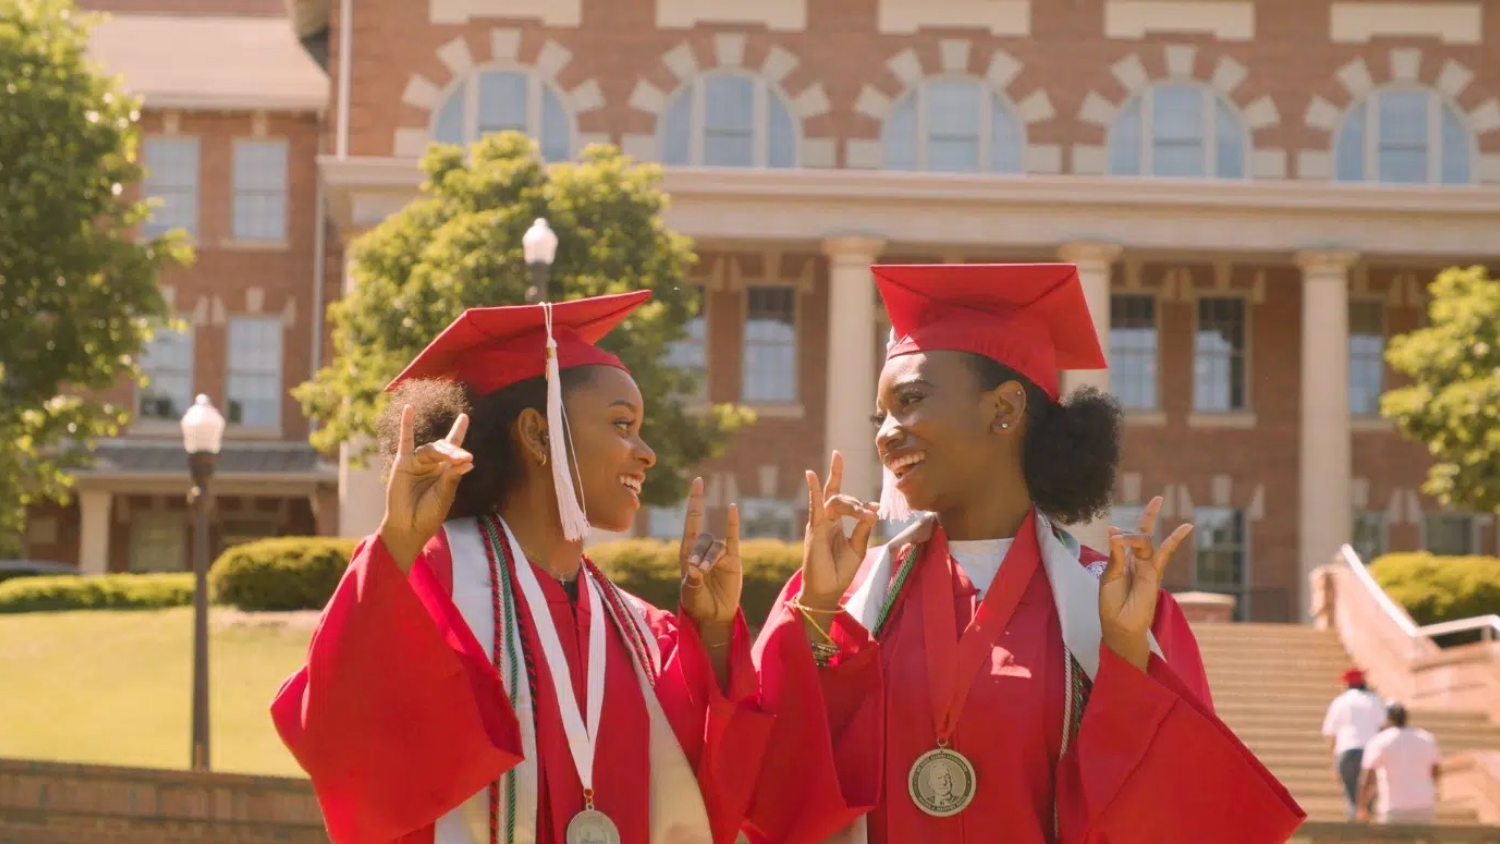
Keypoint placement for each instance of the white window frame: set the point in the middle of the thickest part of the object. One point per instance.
(760, 122)
(1210, 136)
(149, 189)
(1248, 402)
(1436, 101)
(990, 101)
(190, 335)
(230, 369)
(1384, 343)
(283, 190)
(1242, 603)
(797, 338)
(705, 296)
(1156, 329)
(163, 520)
(467, 86)
(1450, 514)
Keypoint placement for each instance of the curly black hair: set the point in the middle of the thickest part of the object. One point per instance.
(1072, 448)
(497, 457)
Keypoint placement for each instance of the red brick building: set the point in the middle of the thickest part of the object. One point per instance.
(1255, 191)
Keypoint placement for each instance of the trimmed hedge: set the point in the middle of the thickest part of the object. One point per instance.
(648, 569)
(103, 592)
(1435, 589)
(291, 573)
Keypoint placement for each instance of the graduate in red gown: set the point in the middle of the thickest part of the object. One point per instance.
(475, 679)
(984, 678)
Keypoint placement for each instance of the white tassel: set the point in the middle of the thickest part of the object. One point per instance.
(893, 504)
(575, 522)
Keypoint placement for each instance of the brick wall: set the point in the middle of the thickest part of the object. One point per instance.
(50, 803)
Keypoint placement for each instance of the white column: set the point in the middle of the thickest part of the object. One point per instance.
(1325, 497)
(94, 507)
(852, 361)
(1095, 263)
(361, 490)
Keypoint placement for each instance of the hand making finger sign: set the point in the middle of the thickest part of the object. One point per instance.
(421, 487)
(830, 558)
(711, 568)
(1131, 582)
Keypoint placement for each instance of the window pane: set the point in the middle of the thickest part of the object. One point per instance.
(449, 126)
(556, 141)
(1177, 131)
(1219, 367)
(167, 363)
(158, 541)
(1125, 141)
(255, 387)
(1230, 149)
(172, 178)
(1456, 148)
(1007, 138)
(1403, 125)
(770, 518)
(781, 134)
(728, 121)
(1368, 539)
(1349, 152)
(260, 185)
(953, 113)
(1132, 350)
(665, 522)
(1366, 357)
(1448, 534)
(677, 129)
(1221, 561)
(691, 352)
(502, 102)
(770, 373)
(899, 135)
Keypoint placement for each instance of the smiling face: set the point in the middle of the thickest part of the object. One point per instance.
(604, 415)
(940, 433)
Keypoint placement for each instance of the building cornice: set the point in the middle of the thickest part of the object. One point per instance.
(929, 209)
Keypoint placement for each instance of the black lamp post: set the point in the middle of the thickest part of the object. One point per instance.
(202, 436)
(539, 245)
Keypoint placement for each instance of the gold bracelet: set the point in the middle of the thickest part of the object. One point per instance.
(797, 604)
(818, 627)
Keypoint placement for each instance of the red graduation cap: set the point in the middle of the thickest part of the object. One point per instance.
(1352, 676)
(1031, 317)
(488, 349)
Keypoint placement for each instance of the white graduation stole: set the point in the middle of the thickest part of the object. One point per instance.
(1075, 590)
(678, 815)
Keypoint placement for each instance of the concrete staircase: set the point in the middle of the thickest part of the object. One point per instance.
(1272, 684)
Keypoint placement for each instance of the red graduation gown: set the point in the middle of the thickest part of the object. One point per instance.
(399, 717)
(1150, 764)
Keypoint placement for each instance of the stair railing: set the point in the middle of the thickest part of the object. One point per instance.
(1488, 625)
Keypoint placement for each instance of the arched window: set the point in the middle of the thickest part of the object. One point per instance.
(1409, 135)
(953, 125)
(728, 120)
(1181, 129)
(497, 100)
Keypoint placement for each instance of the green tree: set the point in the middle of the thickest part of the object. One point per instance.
(459, 246)
(78, 289)
(1453, 401)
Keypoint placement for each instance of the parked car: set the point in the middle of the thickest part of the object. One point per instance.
(27, 568)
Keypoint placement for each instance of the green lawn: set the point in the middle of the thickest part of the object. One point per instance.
(115, 688)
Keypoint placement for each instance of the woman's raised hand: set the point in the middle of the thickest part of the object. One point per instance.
(421, 488)
(831, 558)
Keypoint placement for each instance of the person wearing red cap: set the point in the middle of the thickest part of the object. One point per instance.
(983, 677)
(1353, 719)
(475, 679)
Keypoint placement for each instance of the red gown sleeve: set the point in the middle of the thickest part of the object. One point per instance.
(722, 730)
(398, 715)
(1153, 763)
(821, 769)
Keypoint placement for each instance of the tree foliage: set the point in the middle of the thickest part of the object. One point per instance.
(78, 289)
(1453, 401)
(458, 246)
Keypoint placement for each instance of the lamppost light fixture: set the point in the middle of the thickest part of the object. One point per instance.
(202, 428)
(539, 244)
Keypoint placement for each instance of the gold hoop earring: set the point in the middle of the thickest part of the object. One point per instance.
(542, 461)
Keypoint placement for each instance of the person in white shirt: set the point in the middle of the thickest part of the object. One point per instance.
(1353, 719)
(1401, 772)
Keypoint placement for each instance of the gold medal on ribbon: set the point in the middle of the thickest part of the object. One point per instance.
(941, 782)
(592, 826)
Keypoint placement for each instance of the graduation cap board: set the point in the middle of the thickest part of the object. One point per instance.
(1032, 318)
(489, 349)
